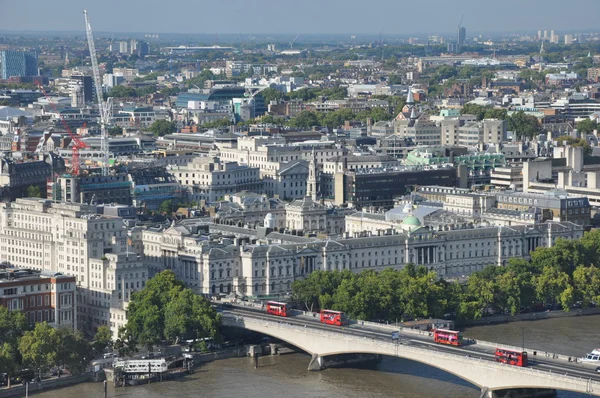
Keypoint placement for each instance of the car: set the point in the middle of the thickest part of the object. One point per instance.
(108, 355)
(598, 369)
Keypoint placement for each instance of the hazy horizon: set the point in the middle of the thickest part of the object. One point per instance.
(307, 17)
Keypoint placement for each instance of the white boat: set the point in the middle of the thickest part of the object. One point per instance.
(593, 357)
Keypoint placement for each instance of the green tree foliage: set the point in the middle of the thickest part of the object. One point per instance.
(305, 120)
(575, 142)
(72, 350)
(122, 92)
(394, 79)
(523, 125)
(38, 347)
(586, 281)
(587, 126)
(12, 326)
(473, 109)
(271, 94)
(559, 275)
(165, 309)
(102, 339)
(162, 127)
(114, 131)
(217, 124)
(189, 316)
(34, 192)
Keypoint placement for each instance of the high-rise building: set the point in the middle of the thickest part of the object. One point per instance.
(18, 63)
(545, 35)
(462, 35)
(123, 47)
(142, 48)
(133, 43)
(539, 36)
(568, 39)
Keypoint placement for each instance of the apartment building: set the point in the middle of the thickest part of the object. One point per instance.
(41, 296)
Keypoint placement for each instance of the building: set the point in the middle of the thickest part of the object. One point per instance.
(153, 185)
(593, 74)
(92, 189)
(462, 35)
(41, 296)
(18, 63)
(17, 176)
(123, 45)
(76, 241)
(220, 266)
(210, 179)
(377, 188)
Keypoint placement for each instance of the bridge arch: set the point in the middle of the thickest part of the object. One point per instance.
(485, 374)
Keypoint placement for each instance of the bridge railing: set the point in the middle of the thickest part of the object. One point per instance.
(419, 332)
(589, 384)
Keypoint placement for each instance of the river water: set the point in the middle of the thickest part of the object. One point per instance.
(286, 375)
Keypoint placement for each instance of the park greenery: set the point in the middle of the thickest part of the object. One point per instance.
(162, 127)
(42, 347)
(564, 276)
(164, 310)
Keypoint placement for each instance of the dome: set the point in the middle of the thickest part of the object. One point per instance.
(411, 221)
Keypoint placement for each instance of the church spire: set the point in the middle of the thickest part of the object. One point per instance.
(410, 99)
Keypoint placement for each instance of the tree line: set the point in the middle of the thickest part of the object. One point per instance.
(40, 347)
(563, 276)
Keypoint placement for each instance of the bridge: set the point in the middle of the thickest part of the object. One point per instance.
(472, 362)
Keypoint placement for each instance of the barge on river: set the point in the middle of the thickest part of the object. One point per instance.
(132, 372)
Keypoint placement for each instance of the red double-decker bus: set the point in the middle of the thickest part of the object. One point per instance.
(333, 317)
(275, 308)
(450, 337)
(510, 357)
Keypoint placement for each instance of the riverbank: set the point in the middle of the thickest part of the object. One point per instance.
(531, 316)
(65, 381)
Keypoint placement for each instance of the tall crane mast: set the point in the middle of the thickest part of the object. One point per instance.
(104, 108)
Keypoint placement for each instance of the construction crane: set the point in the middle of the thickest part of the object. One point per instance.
(77, 144)
(293, 41)
(104, 108)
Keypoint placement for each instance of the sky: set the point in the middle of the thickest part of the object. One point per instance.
(299, 16)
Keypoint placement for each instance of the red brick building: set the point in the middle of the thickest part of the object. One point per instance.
(42, 296)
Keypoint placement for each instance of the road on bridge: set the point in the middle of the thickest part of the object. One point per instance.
(422, 340)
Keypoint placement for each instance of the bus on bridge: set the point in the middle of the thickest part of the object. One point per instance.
(330, 317)
(450, 337)
(510, 357)
(275, 308)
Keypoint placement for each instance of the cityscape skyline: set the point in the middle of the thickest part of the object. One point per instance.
(255, 18)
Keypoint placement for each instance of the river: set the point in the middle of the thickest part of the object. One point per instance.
(286, 375)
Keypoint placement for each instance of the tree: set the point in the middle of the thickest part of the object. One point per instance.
(587, 126)
(165, 309)
(122, 92)
(474, 109)
(523, 125)
(162, 127)
(166, 207)
(550, 284)
(33, 191)
(189, 316)
(102, 339)
(271, 94)
(574, 142)
(38, 347)
(12, 326)
(586, 281)
(394, 79)
(114, 131)
(305, 120)
(72, 350)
